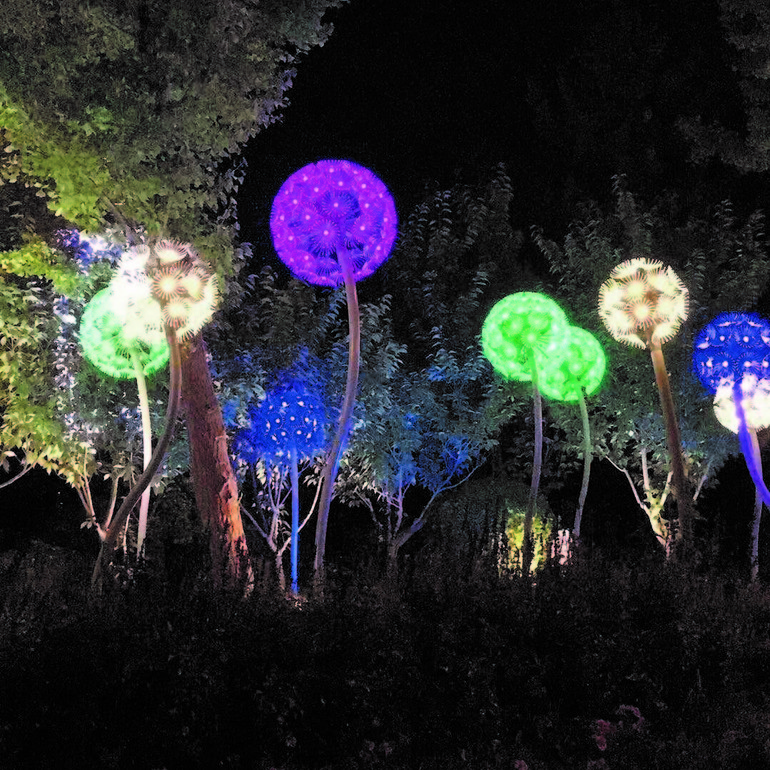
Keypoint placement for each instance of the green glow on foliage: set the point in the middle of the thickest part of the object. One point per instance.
(108, 340)
(581, 369)
(542, 530)
(521, 327)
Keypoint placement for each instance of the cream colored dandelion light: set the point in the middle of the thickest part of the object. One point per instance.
(643, 301)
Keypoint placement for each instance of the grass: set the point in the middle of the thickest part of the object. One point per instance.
(603, 665)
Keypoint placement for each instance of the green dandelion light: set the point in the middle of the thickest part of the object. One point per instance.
(521, 335)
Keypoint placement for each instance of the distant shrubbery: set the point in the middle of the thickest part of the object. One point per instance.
(602, 665)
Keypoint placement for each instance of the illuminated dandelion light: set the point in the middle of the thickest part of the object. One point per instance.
(288, 427)
(143, 281)
(521, 331)
(579, 371)
(184, 286)
(731, 358)
(121, 338)
(334, 222)
(577, 375)
(111, 341)
(643, 303)
(328, 207)
(520, 334)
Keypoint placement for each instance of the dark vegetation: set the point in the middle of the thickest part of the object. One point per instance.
(605, 664)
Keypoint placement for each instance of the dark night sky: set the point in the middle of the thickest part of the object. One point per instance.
(410, 89)
(425, 92)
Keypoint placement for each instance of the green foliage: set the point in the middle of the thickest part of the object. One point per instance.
(29, 279)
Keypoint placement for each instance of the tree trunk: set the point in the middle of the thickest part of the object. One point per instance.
(214, 483)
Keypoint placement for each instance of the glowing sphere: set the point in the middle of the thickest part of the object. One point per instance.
(110, 331)
(521, 327)
(289, 420)
(329, 206)
(183, 285)
(731, 347)
(755, 401)
(580, 371)
(643, 298)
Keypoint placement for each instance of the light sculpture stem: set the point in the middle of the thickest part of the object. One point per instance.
(172, 410)
(294, 472)
(684, 531)
(527, 552)
(332, 461)
(758, 500)
(586, 467)
(144, 408)
(747, 438)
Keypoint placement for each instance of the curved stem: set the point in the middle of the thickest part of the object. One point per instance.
(747, 438)
(294, 522)
(684, 530)
(586, 467)
(25, 469)
(758, 500)
(144, 408)
(332, 461)
(175, 390)
(750, 447)
(527, 546)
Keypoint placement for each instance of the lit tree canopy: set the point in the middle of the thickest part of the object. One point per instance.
(129, 111)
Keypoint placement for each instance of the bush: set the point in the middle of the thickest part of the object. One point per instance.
(600, 665)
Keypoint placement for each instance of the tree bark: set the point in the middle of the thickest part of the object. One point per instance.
(213, 478)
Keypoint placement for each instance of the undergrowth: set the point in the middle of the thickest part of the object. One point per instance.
(602, 665)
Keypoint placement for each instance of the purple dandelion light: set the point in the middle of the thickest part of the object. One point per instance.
(329, 213)
(334, 222)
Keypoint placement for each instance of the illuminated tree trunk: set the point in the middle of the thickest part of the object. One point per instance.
(214, 483)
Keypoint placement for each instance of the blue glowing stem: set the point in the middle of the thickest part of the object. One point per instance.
(750, 453)
(294, 522)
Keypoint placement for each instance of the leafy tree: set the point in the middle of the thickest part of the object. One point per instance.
(740, 139)
(134, 114)
(427, 393)
(724, 263)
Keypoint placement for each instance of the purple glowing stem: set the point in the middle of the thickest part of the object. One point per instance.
(747, 439)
